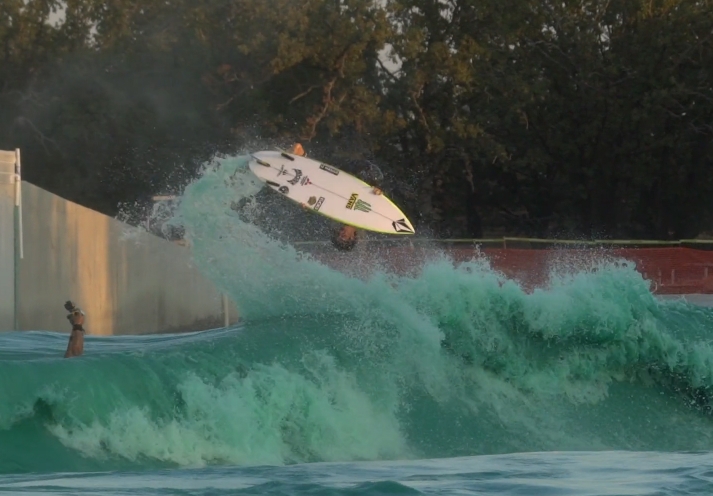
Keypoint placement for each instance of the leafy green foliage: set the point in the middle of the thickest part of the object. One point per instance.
(587, 117)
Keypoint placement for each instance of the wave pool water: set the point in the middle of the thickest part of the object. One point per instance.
(452, 364)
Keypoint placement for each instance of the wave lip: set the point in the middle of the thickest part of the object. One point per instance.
(455, 359)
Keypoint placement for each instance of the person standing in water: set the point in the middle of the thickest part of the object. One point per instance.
(344, 238)
(75, 347)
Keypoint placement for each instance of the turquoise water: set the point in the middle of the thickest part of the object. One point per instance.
(579, 474)
(451, 380)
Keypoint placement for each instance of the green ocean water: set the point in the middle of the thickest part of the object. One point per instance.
(451, 361)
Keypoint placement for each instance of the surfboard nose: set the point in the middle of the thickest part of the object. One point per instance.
(403, 226)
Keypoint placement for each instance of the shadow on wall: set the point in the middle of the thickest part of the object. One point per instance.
(127, 282)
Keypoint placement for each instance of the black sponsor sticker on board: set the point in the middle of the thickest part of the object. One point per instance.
(329, 168)
(318, 205)
(401, 226)
(352, 200)
(298, 176)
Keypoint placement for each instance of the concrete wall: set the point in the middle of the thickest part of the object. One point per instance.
(7, 240)
(703, 300)
(127, 283)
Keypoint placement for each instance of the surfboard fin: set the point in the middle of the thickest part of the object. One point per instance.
(290, 155)
(261, 162)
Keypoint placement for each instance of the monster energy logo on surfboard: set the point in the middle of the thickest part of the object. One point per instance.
(355, 203)
(362, 206)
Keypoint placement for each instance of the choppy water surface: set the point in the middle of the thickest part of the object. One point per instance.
(433, 383)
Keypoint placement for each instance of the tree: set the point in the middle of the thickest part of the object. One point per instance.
(537, 117)
(119, 115)
(570, 116)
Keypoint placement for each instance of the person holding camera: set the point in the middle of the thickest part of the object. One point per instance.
(75, 347)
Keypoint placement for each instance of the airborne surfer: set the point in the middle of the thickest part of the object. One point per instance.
(345, 237)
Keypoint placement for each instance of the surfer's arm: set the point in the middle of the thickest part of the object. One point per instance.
(75, 346)
(69, 345)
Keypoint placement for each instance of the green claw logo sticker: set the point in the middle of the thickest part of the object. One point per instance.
(355, 203)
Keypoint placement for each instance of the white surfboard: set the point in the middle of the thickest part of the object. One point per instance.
(328, 191)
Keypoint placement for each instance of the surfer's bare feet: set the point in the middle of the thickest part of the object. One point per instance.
(297, 150)
(376, 191)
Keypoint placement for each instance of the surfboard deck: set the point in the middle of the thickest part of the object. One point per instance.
(329, 191)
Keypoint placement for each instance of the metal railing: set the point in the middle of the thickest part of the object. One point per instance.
(508, 240)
